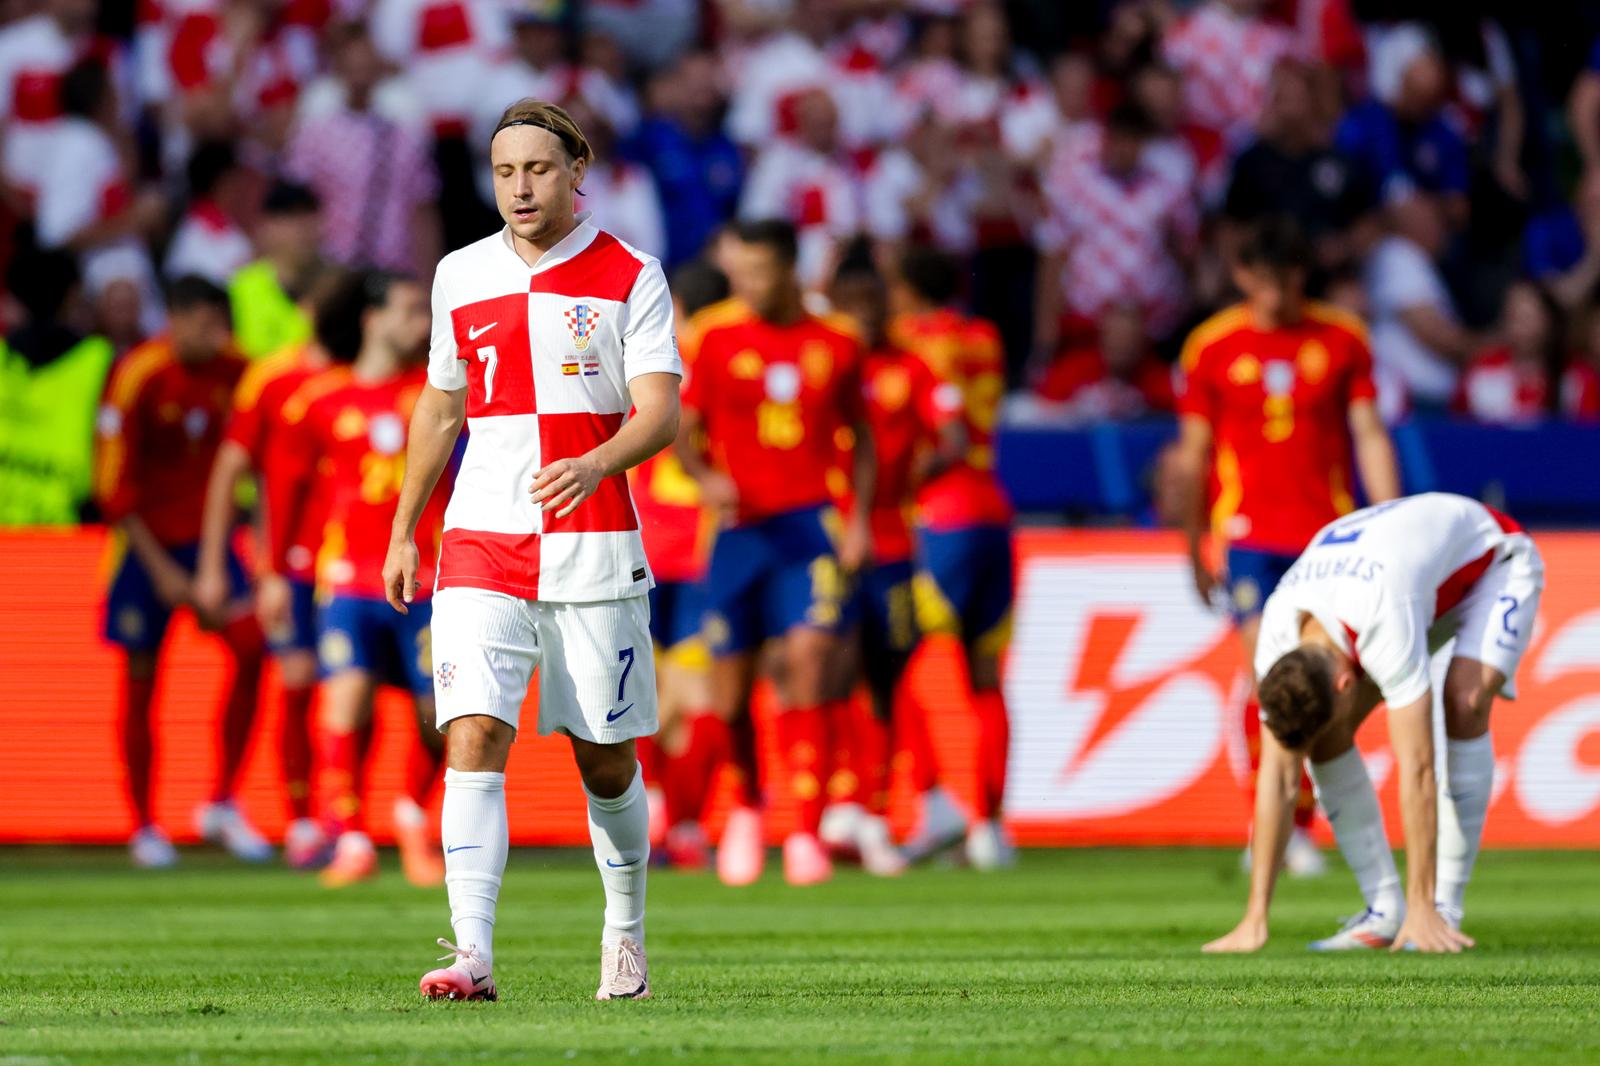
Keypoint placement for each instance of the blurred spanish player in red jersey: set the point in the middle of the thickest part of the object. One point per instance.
(905, 418)
(157, 435)
(1277, 393)
(770, 387)
(964, 581)
(346, 429)
(692, 744)
(254, 444)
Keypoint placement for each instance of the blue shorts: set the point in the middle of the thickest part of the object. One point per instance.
(135, 616)
(770, 576)
(887, 609)
(964, 586)
(1252, 575)
(301, 632)
(365, 633)
(675, 612)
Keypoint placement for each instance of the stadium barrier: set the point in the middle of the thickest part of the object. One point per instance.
(1121, 688)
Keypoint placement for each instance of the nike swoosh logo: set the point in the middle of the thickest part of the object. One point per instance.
(620, 865)
(461, 847)
(474, 332)
(612, 716)
(480, 980)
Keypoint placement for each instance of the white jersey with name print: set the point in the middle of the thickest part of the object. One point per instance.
(1394, 582)
(545, 354)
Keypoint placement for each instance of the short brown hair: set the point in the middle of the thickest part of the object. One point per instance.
(1297, 697)
(551, 118)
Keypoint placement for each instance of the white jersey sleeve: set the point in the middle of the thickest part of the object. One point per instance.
(1393, 651)
(445, 371)
(649, 342)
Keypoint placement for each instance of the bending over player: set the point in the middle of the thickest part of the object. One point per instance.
(1351, 624)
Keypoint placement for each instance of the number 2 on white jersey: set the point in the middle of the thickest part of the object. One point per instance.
(487, 354)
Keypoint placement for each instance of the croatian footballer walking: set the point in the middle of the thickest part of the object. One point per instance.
(544, 336)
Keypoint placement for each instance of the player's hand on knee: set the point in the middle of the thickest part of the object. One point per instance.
(1249, 935)
(400, 574)
(211, 591)
(565, 483)
(1424, 930)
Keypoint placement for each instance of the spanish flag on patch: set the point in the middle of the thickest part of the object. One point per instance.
(569, 369)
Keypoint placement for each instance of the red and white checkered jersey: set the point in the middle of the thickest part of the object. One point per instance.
(1378, 579)
(1226, 60)
(1117, 235)
(545, 354)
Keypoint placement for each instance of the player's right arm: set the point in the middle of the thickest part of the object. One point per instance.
(1191, 468)
(717, 490)
(1380, 473)
(1277, 787)
(116, 491)
(435, 424)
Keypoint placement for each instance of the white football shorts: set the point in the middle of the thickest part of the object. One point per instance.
(597, 674)
(1494, 622)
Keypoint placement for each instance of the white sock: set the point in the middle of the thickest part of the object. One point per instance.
(475, 837)
(620, 831)
(1347, 796)
(1469, 767)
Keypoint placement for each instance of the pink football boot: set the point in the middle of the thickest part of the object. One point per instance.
(805, 860)
(468, 977)
(742, 853)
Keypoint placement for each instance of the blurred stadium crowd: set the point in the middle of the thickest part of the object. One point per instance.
(1091, 163)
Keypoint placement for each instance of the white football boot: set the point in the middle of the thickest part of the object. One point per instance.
(1367, 931)
(222, 823)
(150, 849)
(879, 856)
(941, 824)
(1303, 858)
(989, 847)
(624, 971)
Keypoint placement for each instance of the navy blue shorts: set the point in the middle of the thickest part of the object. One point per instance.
(887, 609)
(365, 633)
(301, 632)
(1252, 575)
(767, 577)
(135, 616)
(964, 585)
(675, 612)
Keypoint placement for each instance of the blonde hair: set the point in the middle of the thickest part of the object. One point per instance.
(550, 118)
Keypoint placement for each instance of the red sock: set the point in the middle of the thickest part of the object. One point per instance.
(686, 778)
(873, 748)
(994, 743)
(138, 742)
(650, 758)
(294, 749)
(243, 638)
(744, 761)
(844, 765)
(341, 779)
(803, 739)
(911, 737)
(424, 764)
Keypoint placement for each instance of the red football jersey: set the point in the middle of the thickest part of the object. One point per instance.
(350, 435)
(671, 520)
(257, 427)
(1278, 403)
(158, 433)
(772, 400)
(904, 416)
(965, 356)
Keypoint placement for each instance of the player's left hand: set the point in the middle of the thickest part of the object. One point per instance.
(566, 483)
(1424, 930)
(855, 547)
(400, 574)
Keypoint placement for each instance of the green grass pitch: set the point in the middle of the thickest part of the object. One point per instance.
(1076, 956)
